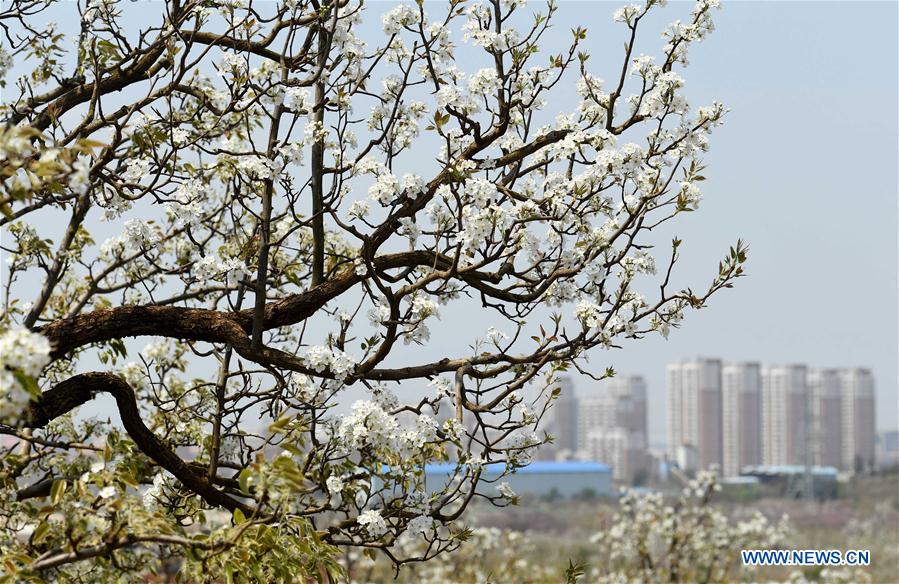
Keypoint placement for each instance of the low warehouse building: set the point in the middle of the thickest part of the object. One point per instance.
(793, 480)
(540, 478)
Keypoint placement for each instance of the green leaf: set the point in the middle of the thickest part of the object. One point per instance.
(28, 382)
(244, 481)
(39, 532)
(575, 572)
(129, 479)
(239, 517)
(57, 491)
(280, 423)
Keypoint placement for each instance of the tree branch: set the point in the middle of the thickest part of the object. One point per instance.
(77, 390)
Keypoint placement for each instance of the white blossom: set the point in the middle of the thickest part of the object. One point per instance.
(79, 180)
(385, 189)
(152, 495)
(358, 210)
(505, 490)
(400, 16)
(420, 525)
(107, 492)
(373, 523)
(22, 352)
(138, 233)
(323, 358)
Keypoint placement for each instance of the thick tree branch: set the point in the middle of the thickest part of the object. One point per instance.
(80, 389)
(214, 326)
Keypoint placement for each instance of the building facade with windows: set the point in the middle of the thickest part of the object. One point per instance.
(741, 441)
(694, 409)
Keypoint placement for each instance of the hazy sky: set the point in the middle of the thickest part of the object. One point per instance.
(804, 169)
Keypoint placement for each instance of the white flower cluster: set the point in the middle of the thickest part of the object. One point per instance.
(152, 495)
(399, 17)
(496, 336)
(323, 358)
(664, 97)
(137, 169)
(369, 424)
(134, 374)
(521, 445)
(385, 189)
(5, 63)
(421, 308)
(259, 167)
(480, 32)
(506, 491)
(588, 312)
(680, 35)
(420, 525)
(484, 82)
(297, 99)
(233, 271)
(358, 210)
(651, 535)
(372, 522)
(401, 121)
(347, 43)
(22, 352)
(305, 389)
(292, 153)
(188, 208)
(79, 180)
(335, 486)
(455, 97)
(233, 62)
(626, 13)
(138, 234)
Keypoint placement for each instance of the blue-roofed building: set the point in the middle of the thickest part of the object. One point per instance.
(540, 478)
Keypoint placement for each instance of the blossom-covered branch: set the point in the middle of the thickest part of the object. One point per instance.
(229, 215)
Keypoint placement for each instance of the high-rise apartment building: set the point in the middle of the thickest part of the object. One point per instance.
(742, 414)
(611, 425)
(563, 425)
(619, 402)
(740, 417)
(634, 387)
(619, 447)
(825, 400)
(694, 408)
(857, 389)
(785, 415)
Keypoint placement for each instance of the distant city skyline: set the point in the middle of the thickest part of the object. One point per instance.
(735, 415)
(729, 414)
